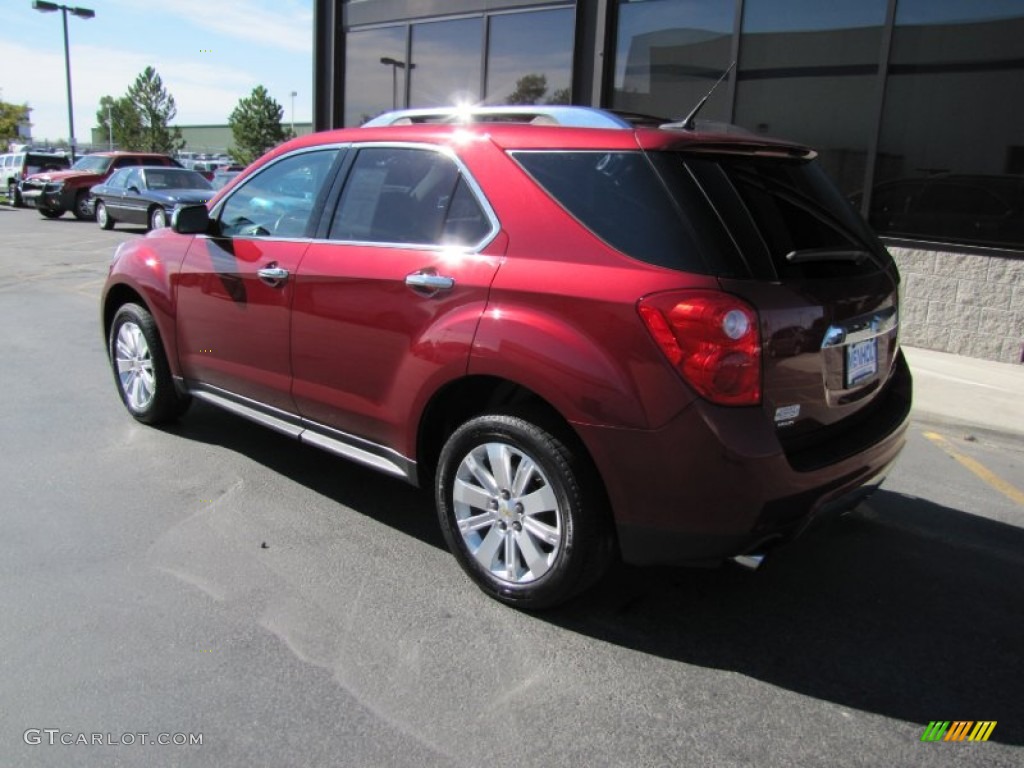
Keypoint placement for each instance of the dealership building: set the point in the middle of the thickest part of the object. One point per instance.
(914, 106)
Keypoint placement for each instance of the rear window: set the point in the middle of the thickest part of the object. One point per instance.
(774, 207)
(620, 198)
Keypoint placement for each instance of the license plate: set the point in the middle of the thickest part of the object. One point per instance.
(861, 361)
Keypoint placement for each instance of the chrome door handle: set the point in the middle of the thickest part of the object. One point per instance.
(429, 282)
(272, 275)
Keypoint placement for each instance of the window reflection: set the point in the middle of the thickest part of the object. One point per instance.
(942, 173)
(669, 53)
(808, 72)
(529, 59)
(446, 62)
(370, 86)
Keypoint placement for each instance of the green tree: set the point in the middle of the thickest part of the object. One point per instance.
(155, 108)
(256, 125)
(125, 119)
(529, 89)
(11, 116)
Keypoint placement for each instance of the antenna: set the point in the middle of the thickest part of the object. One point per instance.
(687, 122)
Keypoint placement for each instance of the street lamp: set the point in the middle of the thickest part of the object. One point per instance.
(82, 13)
(294, 94)
(395, 65)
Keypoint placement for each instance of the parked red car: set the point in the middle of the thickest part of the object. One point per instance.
(567, 331)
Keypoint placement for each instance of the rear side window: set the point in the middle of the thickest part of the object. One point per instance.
(619, 197)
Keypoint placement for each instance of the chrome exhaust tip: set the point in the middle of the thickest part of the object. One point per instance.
(750, 562)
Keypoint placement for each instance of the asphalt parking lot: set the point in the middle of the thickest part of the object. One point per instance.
(295, 610)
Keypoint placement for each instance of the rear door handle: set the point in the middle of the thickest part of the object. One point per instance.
(273, 275)
(429, 282)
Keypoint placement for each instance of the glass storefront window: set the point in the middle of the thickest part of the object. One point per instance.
(808, 72)
(669, 53)
(446, 63)
(373, 84)
(950, 165)
(529, 57)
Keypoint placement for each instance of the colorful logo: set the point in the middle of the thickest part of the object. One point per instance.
(958, 730)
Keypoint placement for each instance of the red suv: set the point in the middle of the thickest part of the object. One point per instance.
(578, 331)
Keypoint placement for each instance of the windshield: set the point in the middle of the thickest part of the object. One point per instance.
(92, 163)
(175, 178)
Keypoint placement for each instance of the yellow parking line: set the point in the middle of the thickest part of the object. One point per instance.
(1009, 490)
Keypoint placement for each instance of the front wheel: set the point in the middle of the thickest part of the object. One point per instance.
(83, 207)
(157, 218)
(13, 196)
(103, 217)
(141, 372)
(51, 213)
(521, 511)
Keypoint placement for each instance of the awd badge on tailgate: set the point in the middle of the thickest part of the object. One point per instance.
(786, 415)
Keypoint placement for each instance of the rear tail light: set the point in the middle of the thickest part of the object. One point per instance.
(712, 339)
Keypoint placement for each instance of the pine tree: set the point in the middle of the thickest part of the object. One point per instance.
(256, 125)
(155, 108)
(126, 121)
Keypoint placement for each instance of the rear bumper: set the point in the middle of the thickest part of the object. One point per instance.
(716, 482)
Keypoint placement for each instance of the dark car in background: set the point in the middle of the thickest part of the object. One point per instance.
(147, 195)
(588, 338)
(54, 193)
(17, 166)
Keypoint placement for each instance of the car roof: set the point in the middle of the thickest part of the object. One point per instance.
(586, 129)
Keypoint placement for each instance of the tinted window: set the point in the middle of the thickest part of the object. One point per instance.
(619, 197)
(952, 110)
(278, 200)
(446, 62)
(400, 195)
(528, 58)
(669, 53)
(784, 206)
(375, 73)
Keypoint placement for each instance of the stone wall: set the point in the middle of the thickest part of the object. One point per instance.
(966, 304)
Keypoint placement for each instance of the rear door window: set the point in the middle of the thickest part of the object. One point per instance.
(408, 196)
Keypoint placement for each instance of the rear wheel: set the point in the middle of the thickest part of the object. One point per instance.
(141, 372)
(157, 218)
(521, 511)
(83, 208)
(103, 217)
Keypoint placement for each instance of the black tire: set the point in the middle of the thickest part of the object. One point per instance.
(141, 373)
(14, 196)
(51, 213)
(158, 218)
(562, 489)
(82, 210)
(103, 217)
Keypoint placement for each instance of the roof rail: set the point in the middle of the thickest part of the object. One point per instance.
(570, 117)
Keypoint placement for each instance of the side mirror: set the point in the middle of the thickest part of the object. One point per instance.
(191, 220)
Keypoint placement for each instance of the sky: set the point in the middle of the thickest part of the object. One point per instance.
(209, 54)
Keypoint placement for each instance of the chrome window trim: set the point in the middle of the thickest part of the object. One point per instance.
(464, 173)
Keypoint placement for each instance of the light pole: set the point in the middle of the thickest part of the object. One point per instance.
(82, 13)
(294, 94)
(110, 128)
(395, 65)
